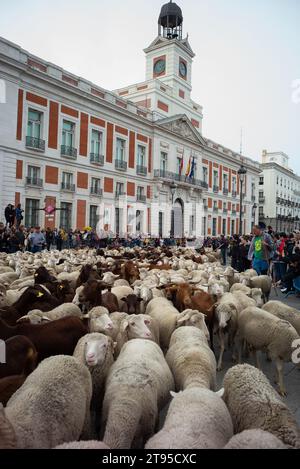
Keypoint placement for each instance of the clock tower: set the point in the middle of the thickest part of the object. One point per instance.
(170, 56)
(168, 86)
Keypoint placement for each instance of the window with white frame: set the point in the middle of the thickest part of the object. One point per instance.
(140, 191)
(68, 134)
(120, 149)
(225, 181)
(141, 156)
(234, 184)
(216, 178)
(163, 162)
(119, 188)
(34, 124)
(93, 216)
(32, 212)
(95, 185)
(33, 172)
(66, 215)
(67, 178)
(96, 142)
(205, 174)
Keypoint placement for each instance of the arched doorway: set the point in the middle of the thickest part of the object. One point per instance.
(178, 219)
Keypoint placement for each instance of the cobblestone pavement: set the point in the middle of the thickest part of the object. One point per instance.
(291, 373)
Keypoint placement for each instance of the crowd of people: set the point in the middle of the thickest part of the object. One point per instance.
(277, 254)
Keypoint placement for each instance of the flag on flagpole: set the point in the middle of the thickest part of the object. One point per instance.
(188, 169)
(181, 166)
(192, 173)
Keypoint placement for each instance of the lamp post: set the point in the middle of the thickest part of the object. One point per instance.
(253, 213)
(242, 174)
(173, 190)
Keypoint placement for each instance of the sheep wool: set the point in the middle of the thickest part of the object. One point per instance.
(137, 387)
(197, 419)
(255, 439)
(52, 406)
(253, 403)
(191, 360)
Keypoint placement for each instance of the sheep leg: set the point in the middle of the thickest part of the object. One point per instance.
(279, 366)
(211, 336)
(256, 357)
(222, 348)
(240, 348)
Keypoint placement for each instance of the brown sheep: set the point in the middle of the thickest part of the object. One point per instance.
(92, 296)
(9, 385)
(21, 357)
(51, 338)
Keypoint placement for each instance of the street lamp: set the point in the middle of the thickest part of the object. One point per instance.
(173, 190)
(242, 175)
(253, 213)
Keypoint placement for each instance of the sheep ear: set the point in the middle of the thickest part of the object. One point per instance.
(183, 319)
(86, 316)
(22, 319)
(173, 393)
(115, 344)
(44, 318)
(124, 326)
(221, 392)
(124, 299)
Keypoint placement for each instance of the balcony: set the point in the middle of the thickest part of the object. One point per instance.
(205, 206)
(182, 180)
(233, 194)
(34, 182)
(68, 187)
(261, 215)
(215, 209)
(225, 210)
(233, 211)
(35, 143)
(225, 190)
(68, 152)
(141, 198)
(141, 170)
(96, 191)
(121, 165)
(216, 188)
(97, 159)
(119, 195)
(261, 199)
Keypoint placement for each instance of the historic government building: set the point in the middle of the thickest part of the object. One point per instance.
(125, 160)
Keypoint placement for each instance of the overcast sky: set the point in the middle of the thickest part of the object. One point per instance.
(247, 57)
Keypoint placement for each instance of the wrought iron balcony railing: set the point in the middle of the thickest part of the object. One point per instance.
(67, 186)
(35, 182)
(95, 158)
(141, 170)
(68, 152)
(121, 165)
(36, 143)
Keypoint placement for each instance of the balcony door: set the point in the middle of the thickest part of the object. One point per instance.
(178, 218)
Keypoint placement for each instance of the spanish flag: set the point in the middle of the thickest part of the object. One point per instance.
(188, 169)
(181, 166)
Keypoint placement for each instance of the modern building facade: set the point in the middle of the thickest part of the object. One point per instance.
(279, 193)
(131, 161)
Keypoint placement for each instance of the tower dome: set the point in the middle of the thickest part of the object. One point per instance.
(170, 19)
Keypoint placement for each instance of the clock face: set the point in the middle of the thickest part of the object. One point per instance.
(182, 69)
(159, 66)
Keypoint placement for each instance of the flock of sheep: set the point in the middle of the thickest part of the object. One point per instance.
(99, 343)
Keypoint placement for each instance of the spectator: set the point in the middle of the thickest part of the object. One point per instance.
(223, 246)
(9, 214)
(292, 273)
(19, 216)
(261, 250)
(49, 238)
(235, 252)
(244, 262)
(37, 240)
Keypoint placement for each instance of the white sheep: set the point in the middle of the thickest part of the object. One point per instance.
(191, 360)
(71, 277)
(37, 316)
(99, 320)
(283, 311)
(51, 407)
(253, 403)
(168, 318)
(121, 282)
(132, 326)
(263, 331)
(96, 351)
(263, 281)
(137, 388)
(240, 287)
(255, 439)
(197, 419)
(226, 313)
(120, 293)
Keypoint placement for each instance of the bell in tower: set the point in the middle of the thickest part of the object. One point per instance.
(170, 21)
